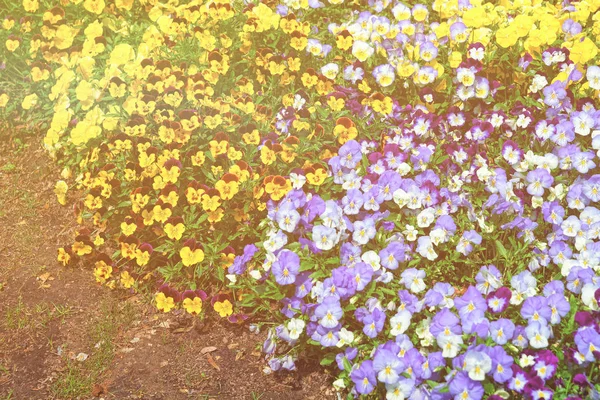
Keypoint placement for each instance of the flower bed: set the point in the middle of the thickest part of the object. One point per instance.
(407, 191)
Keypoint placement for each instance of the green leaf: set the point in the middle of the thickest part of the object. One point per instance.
(387, 291)
(347, 364)
(328, 360)
(126, 203)
(501, 249)
(162, 247)
(489, 387)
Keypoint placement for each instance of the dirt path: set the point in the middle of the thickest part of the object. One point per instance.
(64, 337)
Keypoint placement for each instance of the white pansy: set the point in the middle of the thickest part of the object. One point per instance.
(362, 50)
(423, 333)
(339, 384)
(426, 217)
(538, 83)
(593, 76)
(346, 337)
(587, 295)
(400, 322)
(270, 258)
(450, 345)
(371, 258)
(410, 233)
(255, 274)
(567, 265)
(400, 197)
(437, 236)
(298, 180)
(295, 327)
(403, 169)
(477, 364)
(536, 201)
(330, 70)
(526, 360)
(275, 241)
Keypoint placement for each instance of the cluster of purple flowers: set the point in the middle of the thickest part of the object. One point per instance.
(378, 267)
(499, 330)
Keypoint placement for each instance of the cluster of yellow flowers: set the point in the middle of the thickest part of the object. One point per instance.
(164, 127)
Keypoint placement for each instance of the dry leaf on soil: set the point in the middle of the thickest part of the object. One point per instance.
(208, 349)
(212, 362)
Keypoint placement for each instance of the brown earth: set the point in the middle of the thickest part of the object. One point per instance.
(64, 337)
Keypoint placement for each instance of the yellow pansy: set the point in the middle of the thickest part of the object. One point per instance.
(64, 37)
(224, 308)
(267, 17)
(317, 177)
(583, 51)
(127, 280)
(4, 98)
(12, 43)
(210, 202)
(64, 257)
(94, 6)
(121, 54)
(482, 35)
(507, 37)
(215, 216)
(228, 186)
(174, 232)
(522, 25)
(29, 101)
(474, 17)
(102, 272)
(31, 5)
(128, 229)
(267, 156)
(191, 257)
(60, 189)
(193, 306)
(83, 132)
(164, 303)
